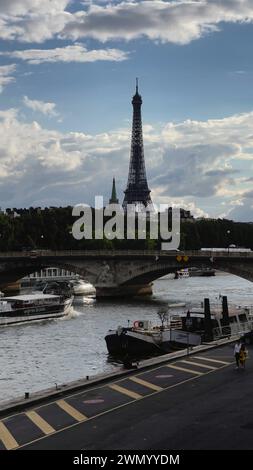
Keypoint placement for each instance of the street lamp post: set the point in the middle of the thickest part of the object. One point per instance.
(228, 233)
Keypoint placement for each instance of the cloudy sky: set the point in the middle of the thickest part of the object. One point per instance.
(67, 76)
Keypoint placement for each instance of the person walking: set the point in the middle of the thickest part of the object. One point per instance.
(242, 356)
(237, 350)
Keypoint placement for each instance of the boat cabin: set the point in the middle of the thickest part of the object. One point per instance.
(32, 300)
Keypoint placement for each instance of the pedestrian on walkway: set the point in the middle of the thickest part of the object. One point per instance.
(243, 355)
(237, 350)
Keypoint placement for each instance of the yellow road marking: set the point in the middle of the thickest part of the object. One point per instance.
(212, 360)
(146, 384)
(7, 438)
(71, 410)
(40, 422)
(118, 407)
(184, 369)
(200, 365)
(125, 391)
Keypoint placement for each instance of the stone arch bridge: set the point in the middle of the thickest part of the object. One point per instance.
(117, 273)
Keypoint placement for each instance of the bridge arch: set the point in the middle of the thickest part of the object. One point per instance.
(122, 272)
(147, 274)
(14, 273)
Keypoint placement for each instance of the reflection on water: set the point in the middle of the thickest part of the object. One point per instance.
(36, 356)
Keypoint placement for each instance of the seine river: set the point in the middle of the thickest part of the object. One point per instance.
(37, 356)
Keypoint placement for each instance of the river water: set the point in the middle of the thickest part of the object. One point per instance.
(37, 356)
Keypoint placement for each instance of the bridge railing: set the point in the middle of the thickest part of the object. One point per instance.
(91, 253)
(122, 253)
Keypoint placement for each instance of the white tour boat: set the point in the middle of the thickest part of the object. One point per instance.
(28, 308)
(81, 287)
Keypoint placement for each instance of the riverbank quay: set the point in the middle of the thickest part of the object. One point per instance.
(138, 409)
(29, 400)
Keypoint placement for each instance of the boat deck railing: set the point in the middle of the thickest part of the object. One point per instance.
(233, 329)
(217, 307)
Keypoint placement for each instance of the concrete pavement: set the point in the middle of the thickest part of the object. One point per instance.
(195, 402)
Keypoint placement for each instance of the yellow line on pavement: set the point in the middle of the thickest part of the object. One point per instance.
(123, 405)
(212, 360)
(146, 384)
(125, 391)
(40, 422)
(184, 369)
(7, 438)
(200, 365)
(71, 410)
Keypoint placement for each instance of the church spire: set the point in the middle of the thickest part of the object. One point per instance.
(113, 199)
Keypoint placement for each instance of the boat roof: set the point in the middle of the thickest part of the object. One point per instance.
(31, 297)
(194, 314)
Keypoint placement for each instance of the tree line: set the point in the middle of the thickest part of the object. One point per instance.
(51, 228)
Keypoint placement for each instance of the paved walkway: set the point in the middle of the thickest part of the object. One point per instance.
(191, 403)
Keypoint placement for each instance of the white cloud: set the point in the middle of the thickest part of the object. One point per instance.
(197, 164)
(178, 21)
(41, 106)
(25, 7)
(74, 53)
(24, 146)
(32, 20)
(6, 76)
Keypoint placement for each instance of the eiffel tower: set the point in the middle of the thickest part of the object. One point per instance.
(137, 191)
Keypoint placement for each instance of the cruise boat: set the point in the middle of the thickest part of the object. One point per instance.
(201, 271)
(29, 308)
(182, 273)
(78, 287)
(194, 271)
(81, 287)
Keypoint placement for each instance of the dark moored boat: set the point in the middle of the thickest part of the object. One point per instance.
(143, 339)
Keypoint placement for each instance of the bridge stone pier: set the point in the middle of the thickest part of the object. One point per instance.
(121, 273)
